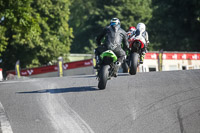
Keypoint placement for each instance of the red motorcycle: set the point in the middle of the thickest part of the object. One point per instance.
(136, 44)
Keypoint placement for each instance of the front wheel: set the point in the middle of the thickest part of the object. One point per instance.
(133, 63)
(103, 77)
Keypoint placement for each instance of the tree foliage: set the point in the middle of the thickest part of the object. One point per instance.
(56, 33)
(20, 27)
(34, 32)
(3, 39)
(175, 25)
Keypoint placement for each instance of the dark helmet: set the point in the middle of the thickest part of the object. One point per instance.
(115, 22)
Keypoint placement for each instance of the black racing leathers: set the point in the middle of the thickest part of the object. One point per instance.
(114, 37)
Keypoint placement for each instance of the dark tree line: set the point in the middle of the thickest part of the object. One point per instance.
(175, 25)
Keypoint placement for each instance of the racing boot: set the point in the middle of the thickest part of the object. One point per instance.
(142, 56)
(97, 66)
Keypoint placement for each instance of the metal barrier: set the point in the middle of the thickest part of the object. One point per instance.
(82, 67)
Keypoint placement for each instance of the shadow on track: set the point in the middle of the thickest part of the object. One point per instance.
(94, 76)
(62, 90)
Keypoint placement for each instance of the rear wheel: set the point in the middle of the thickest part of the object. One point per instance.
(134, 63)
(103, 77)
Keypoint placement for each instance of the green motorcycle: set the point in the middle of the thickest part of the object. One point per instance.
(107, 68)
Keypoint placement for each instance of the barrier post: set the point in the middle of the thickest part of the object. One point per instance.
(160, 60)
(60, 67)
(17, 69)
(1, 75)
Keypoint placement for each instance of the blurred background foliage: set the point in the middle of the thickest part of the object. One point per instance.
(39, 31)
(34, 32)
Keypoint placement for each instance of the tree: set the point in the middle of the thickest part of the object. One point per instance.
(175, 25)
(3, 39)
(82, 20)
(56, 33)
(35, 32)
(20, 31)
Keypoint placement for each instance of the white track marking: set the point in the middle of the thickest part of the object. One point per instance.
(5, 125)
(62, 117)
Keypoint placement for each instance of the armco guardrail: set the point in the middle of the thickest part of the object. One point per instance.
(71, 68)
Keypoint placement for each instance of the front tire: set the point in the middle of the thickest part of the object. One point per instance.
(103, 77)
(133, 63)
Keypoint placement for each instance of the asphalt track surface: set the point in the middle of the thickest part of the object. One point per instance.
(154, 102)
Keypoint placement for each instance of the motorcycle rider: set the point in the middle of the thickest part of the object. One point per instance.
(114, 36)
(131, 32)
(141, 30)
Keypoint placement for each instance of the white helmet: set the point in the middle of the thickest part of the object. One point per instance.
(141, 27)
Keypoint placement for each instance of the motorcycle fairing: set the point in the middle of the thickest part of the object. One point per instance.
(109, 53)
(139, 39)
